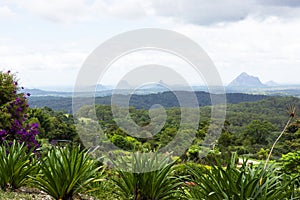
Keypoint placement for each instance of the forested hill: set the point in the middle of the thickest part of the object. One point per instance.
(166, 99)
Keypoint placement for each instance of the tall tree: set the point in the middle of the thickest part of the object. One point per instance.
(258, 131)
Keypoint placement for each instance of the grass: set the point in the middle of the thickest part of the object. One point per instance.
(34, 194)
(19, 195)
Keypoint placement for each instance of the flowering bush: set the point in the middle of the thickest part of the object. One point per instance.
(13, 107)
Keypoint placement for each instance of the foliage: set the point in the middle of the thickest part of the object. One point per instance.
(166, 99)
(263, 154)
(249, 126)
(16, 164)
(54, 125)
(13, 107)
(105, 189)
(65, 171)
(256, 132)
(144, 184)
(245, 182)
(291, 162)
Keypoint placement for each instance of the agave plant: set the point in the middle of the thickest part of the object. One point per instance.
(246, 182)
(16, 164)
(143, 184)
(65, 172)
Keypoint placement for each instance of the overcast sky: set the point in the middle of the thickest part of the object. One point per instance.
(47, 41)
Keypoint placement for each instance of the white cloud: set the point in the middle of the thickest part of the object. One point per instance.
(6, 13)
(269, 49)
(131, 9)
(83, 10)
(57, 10)
(172, 65)
(54, 58)
(38, 66)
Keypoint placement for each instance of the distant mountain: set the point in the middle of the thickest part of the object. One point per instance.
(100, 87)
(123, 84)
(246, 80)
(271, 83)
(38, 92)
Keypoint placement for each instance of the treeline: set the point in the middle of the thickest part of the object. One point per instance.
(166, 99)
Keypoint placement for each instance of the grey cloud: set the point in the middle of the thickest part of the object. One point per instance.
(205, 12)
(82, 10)
(287, 3)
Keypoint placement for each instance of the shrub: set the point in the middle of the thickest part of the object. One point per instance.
(65, 172)
(16, 163)
(291, 162)
(246, 182)
(143, 184)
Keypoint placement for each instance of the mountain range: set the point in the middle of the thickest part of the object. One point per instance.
(244, 83)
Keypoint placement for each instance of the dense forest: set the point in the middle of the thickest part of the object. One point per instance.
(250, 127)
(166, 99)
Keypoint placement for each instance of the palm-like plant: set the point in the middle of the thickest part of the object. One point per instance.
(246, 182)
(143, 184)
(16, 163)
(66, 171)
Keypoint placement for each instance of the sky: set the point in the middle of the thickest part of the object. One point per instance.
(45, 42)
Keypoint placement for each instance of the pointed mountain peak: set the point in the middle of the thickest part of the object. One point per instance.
(246, 80)
(244, 74)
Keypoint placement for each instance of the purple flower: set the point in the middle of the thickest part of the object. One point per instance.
(19, 130)
(53, 142)
(2, 132)
(2, 135)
